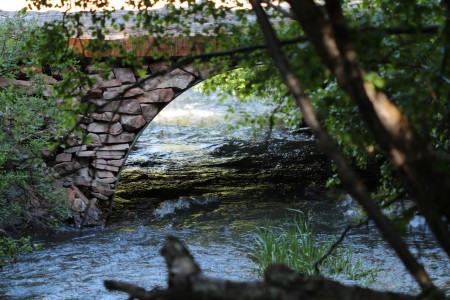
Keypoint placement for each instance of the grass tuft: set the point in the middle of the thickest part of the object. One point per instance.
(295, 245)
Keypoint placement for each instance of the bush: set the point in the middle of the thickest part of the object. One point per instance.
(28, 121)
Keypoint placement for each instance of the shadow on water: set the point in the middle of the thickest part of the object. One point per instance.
(212, 189)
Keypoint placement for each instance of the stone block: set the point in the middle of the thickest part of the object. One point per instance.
(158, 67)
(117, 163)
(83, 181)
(84, 120)
(132, 122)
(94, 139)
(93, 216)
(108, 84)
(97, 127)
(75, 149)
(106, 167)
(192, 70)
(63, 157)
(125, 91)
(106, 180)
(92, 69)
(105, 174)
(99, 161)
(125, 75)
(149, 111)
(73, 141)
(94, 93)
(100, 196)
(159, 95)
(78, 205)
(103, 127)
(117, 139)
(110, 154)
(115, 147)
(84, 172)
(99, 185)
(67, 167)
(176, 79)
(86, 153)
(106, 192)
(106, 117)
(129, 106)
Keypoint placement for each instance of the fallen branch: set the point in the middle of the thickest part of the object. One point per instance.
(280, 283)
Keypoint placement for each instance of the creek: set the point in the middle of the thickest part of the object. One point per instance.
(191, 177)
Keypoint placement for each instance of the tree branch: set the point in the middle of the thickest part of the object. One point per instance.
(280, 283)
(348, 175)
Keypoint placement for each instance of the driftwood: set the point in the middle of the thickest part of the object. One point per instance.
(187, 282)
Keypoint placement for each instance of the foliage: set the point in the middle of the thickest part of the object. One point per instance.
(403, 53)
(10, 247)
(296, 245)
(28, 123)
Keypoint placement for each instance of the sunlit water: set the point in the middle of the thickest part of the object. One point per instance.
(220, 233)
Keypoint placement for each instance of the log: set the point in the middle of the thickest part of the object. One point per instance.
(186, 282)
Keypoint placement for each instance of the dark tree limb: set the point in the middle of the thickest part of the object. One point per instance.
(346, 172)
(427, 182)
(280, 283)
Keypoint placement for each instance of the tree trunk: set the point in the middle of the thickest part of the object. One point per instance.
(427, 181)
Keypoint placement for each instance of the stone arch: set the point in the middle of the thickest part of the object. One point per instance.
(91, 171)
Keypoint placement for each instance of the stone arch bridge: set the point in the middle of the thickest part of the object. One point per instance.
(123, 108)
(125, 104)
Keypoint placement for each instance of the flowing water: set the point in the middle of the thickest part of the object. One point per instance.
(217, 222)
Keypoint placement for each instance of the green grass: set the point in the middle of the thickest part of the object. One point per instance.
(295, 245)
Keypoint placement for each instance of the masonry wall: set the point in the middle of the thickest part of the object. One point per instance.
(90, 172)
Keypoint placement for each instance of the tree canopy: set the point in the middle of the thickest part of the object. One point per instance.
(371, 78)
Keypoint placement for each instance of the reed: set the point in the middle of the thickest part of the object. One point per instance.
(294, 244)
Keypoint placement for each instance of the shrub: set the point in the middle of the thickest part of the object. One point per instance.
(27, 126)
